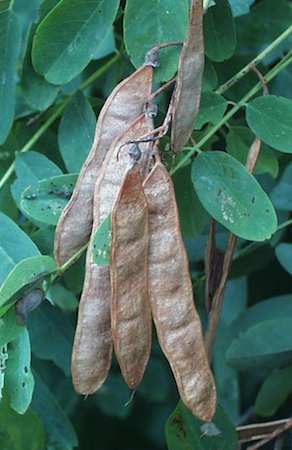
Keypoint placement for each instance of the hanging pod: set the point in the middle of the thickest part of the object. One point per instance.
(130, 310)
(92, 349)
(171, 296)
(121, 108)
(189, 80)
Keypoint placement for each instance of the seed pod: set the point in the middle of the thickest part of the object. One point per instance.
(176, 319)
(92, 349)
(189, 80)
(27, 303)
(124, 104)
(130, 311)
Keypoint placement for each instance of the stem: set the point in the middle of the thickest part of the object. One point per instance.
(284, 224)
(255, 61)
(269, 76)
(60, 270)
(56, 114)
(218, 298)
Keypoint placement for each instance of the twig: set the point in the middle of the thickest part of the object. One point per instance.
(261, 78)
(218, 298)
(280, 430)
(217, 302)
(255, 61)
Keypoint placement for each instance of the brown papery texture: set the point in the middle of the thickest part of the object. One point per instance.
(176, 319)
(122, 107)
(130, 312)
(189, 80)
(92, 349)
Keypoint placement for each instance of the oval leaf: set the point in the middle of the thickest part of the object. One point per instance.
(20, 432)
(60, 56)
(233, 197)
(212, 109)
(219, 32)
(9, 48)
(76, 132)
(25, 277)
(47, 201)
(284, 255)
(19, 381)
(185, 432)
(274, 391)
(37, 92)
(14, 246)
(281, 194)
(50, 321)
(10, 329)
(267, 344)
(162, 22)
(102, 242)
(239, 140)
(270, 118)
(31, 167)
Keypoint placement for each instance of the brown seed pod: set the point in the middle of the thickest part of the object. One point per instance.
(92, 349)
(130, 311)
(189, 80)
(124, 104)
(176, 319)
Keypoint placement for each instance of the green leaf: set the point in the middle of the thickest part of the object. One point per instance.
(239, 141)
(113, 396)
(155, 392)
(51, 336)
(281, 194)
(20, 432)
(284, 255)
(62, 297)
(263, 25)
(46, 203)
(270, 118)
(60, 56)
(25, 277)
(210, 79)
(37, 92)
(31, 167)
(212, 109)
(227, 378)
(106, 47)
(219, 32)
(267, 344)
(240, 7)
(9, 48)
(186, 432)
(233, 197)
(19, 381)
(149, 23)
(14, 246)
(10, 329)
(76, 132)
(60, 432)
(102, 242)
(191, 213)
(274, 391)
(44, 239)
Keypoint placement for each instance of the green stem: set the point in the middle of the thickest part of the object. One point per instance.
(255, 61)
(284, 224)
(269, 76)
(57, 113)
(60, 270)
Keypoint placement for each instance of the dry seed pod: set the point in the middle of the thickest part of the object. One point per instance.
(130, 311)
(189, 80)
(92, 350)
(176, 319)
(124, 104)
